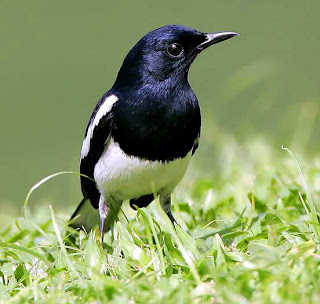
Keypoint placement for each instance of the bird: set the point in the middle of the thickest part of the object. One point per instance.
(144, 130)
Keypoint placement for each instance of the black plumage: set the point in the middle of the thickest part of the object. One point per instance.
(149, 118)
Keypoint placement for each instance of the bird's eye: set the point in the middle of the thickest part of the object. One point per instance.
(175, 50)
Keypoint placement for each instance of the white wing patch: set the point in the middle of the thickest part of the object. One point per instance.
(103, 110)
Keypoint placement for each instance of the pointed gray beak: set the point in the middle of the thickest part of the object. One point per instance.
(213, 38)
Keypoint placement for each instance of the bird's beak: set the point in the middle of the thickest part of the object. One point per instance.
(213, 38)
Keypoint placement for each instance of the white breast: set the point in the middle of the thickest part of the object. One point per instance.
(124, 177)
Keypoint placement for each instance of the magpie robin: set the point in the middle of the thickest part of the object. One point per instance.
(144, 130)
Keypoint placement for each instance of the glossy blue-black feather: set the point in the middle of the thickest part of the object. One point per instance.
(156, 116)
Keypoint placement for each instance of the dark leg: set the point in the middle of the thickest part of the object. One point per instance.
(165, 202)
(172, 219)
(108, 211)
(104, 211)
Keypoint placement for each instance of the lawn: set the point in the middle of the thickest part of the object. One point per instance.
(247, 235)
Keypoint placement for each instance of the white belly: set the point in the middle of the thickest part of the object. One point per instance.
(124, 177)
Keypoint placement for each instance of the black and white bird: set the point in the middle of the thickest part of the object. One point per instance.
(144, 130)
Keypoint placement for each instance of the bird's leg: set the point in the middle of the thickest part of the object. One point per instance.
(108, 211)
(103, 212)
(165, 202)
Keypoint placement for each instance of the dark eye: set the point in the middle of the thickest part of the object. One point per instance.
(175, 50)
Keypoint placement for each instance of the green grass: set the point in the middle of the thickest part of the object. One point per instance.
(248, 235)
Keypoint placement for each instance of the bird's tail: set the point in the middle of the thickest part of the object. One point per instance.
(85, 216)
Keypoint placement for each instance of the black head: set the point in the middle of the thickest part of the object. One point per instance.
(165, 53)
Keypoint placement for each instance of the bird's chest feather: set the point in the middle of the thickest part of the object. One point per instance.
(126, 176)
(162, 126)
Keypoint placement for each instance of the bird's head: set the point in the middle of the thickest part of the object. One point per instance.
(166, 53)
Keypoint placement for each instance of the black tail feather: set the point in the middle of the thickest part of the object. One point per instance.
(75, 213)
(85, 216)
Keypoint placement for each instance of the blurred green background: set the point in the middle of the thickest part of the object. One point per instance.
(58, 57)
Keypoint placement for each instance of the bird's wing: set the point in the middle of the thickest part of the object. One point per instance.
(195, 145)
(97, 134)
